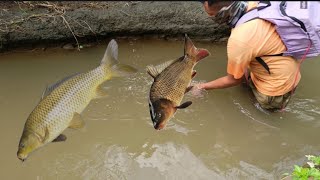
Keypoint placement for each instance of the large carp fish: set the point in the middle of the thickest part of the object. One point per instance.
(171, 81)
(62, 103)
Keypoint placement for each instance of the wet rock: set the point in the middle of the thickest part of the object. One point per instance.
(224, 39)
(29, 23)
(68, 46)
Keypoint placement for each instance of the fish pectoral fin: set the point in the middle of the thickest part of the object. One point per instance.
(184, 105)
(76, 122)
(188, 89)
(101, 92)
(194, 72)
(46, 135)
(60, 138)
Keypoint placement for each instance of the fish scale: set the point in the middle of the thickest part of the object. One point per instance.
(56, 111)
(172, 82)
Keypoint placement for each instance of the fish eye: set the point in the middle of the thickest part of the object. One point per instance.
(21, 145)
(159, 115)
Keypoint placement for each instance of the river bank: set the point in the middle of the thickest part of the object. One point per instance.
(30, 24)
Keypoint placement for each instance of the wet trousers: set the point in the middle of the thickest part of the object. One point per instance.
(270, 102)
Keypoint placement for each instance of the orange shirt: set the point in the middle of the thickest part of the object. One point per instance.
(256, 38)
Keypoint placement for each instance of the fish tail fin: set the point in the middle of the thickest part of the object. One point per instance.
(111, 63)
(190, 49)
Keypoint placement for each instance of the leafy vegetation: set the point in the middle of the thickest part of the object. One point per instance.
(309, 171)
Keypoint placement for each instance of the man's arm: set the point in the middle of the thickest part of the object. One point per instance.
(220, 83)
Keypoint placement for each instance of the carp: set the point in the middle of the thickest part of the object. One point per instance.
(62, 103)
(171, 81)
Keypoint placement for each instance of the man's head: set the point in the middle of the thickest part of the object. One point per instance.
(225, 11)
(212, 7)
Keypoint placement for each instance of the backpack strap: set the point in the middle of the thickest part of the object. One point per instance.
(266, 4)
(264, 64)
(248, 16)
(253, 13)
(283, 12)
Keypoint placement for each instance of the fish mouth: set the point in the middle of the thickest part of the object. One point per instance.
(22, 157)
(155, 125)
(158, 126)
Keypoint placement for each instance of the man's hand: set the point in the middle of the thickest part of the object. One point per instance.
(220, 83)
(197, 90)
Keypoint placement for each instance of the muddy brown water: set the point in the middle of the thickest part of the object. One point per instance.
(222, 135)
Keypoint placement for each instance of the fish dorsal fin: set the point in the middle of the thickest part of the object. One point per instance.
(154, 71)
(189, 48)
(49, 89)
(111, 55)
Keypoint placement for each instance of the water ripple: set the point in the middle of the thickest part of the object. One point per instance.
(247, 113)
(305, 110)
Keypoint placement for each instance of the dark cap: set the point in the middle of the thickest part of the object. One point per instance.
(210, 2)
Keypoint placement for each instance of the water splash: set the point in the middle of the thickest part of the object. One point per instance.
(195, 92)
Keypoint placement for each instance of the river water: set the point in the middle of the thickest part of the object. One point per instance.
(222, 135)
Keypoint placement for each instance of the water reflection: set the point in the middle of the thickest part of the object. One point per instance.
(176, 162)
(160, 161)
